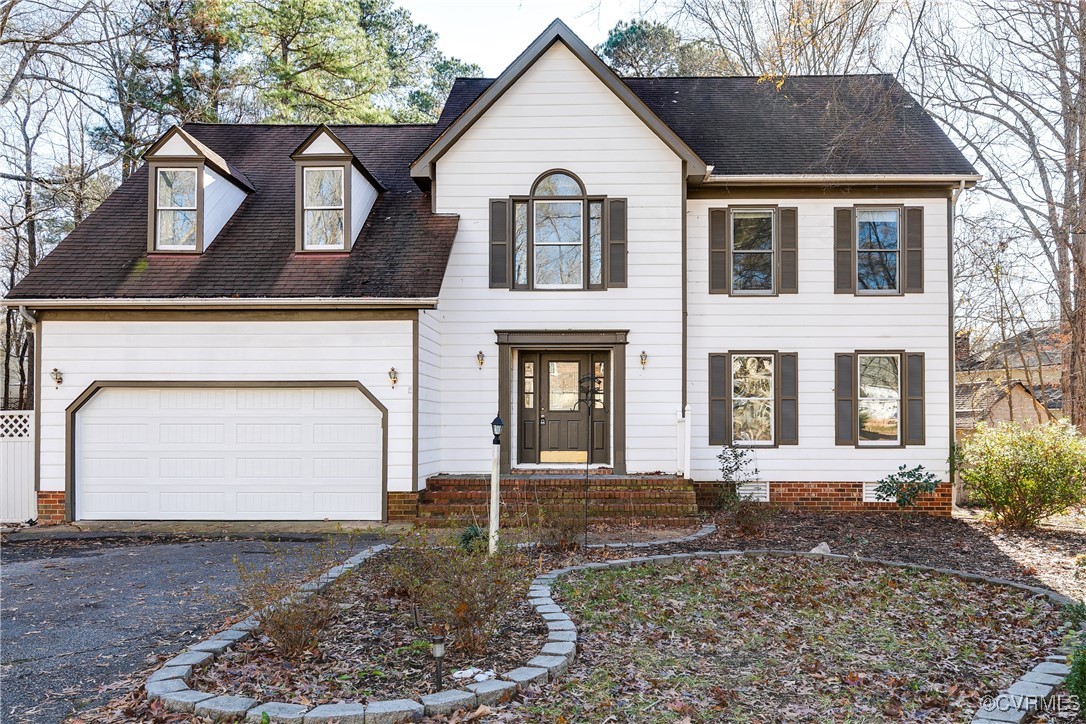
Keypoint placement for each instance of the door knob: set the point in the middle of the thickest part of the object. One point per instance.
(542, 419)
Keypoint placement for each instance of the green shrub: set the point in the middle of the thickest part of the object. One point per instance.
(1025, 474)
(905, 486)
(1076, 680)
(473, 538)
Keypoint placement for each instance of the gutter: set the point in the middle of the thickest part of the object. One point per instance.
(843, 179)
(223, 303)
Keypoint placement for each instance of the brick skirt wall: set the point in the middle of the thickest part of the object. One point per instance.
(402, 507)
(51, 507)
(831, 497)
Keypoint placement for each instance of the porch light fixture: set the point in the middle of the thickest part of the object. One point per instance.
(496, 427)
(437, 649)
(394, 376)
(644, 359)
(58, 376)
(480, 358)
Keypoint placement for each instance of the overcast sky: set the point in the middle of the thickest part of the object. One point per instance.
(492, 33)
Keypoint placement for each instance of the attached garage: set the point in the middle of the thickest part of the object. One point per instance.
(280, 452)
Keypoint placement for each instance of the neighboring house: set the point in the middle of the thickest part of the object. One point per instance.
(1034, 357)
(312, 322)
(992, 402)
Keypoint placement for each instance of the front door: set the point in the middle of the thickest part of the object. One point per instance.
(557, 425)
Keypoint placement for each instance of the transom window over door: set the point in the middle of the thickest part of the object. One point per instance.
(558, 237)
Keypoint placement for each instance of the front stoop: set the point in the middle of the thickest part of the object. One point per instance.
(664, 500)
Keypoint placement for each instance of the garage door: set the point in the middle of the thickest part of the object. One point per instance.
(228, 454)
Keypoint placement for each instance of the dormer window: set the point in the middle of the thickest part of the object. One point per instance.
(323, 208)
(177, 220)
(192, 192)
(333, 193)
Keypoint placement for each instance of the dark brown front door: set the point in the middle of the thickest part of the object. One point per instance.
(556, 425)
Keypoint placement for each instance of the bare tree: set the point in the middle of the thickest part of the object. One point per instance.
(1006, 78)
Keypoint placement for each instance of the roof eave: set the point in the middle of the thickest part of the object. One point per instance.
(969, 180)
(424, 166)
(209, 303)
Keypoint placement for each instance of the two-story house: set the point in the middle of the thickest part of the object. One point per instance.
(299, 322)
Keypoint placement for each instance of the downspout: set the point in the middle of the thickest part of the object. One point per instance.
(951, 464)
(28, 317)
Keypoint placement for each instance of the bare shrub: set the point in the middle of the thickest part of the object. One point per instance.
(457, 589)
(290, 618)
(561, 528)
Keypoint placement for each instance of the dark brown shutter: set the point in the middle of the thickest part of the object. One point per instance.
(844, 243)
(499, 243)
(914, 250)
(788, 399)
(914, 399)
(844, 396)
(718, 252)
(718, 399)
(788, 226)
(617, 241)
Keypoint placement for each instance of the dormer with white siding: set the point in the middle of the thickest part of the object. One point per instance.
(192, 193)
(331, 186)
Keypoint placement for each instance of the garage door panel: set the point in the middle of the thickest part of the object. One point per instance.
(229, 453)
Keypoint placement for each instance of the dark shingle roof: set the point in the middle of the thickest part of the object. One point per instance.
(401, 252)
(859, 124)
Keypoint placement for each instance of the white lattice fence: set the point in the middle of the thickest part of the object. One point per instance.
(18, 501)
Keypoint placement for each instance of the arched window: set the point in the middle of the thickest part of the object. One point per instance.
(559, 237)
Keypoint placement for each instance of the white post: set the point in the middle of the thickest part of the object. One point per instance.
(688, 443)
(494, 481)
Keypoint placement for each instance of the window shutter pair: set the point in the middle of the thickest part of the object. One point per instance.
(615, 253)
(911, 249)
(846, 386)
(786, 252)
(785, 410)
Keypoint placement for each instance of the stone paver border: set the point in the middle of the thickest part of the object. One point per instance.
(169, 683)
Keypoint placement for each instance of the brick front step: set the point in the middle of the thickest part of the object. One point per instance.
(660, 499)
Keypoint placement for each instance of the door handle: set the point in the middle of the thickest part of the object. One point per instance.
(542, 419)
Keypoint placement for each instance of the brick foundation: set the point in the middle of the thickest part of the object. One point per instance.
(829, 497)
(402, 507)
(51, 508)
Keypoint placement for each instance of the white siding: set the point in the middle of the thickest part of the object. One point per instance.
(429, 394)
(88, 351)
(559, 115)
(816, 324)
(363, 194)
(221, 199)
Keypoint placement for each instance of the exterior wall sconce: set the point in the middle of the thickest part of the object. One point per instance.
(480, 358)
(644, 359)
(58, 376)
(394, 376)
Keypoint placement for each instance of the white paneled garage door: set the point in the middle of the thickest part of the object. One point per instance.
(211, 453)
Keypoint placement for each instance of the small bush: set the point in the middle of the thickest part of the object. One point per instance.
(1076, 680)
(1075, 614)
(473, 538)
(750, 516)
(291, 619)
(464, 591)
(1025, 474)
(905, 486)
(561, 529)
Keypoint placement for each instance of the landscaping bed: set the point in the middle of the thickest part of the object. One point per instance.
(371, 649)
(772, 638)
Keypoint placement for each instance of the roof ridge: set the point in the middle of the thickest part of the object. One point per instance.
(265, 124)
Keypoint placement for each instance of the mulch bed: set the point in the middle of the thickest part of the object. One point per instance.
(786, 639)
(372, 649)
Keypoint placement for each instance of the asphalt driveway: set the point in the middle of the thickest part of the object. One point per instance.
(79, 617)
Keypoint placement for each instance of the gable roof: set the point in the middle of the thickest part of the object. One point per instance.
(859, 128)
(200, 150)
(974, 401)
(400, 253)
(323, 131)
(556, 32)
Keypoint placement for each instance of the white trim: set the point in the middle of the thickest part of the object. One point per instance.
(195, 208)
(771, 252)
(772, 357)
(222, 302)
(860, 398)
(843, 179)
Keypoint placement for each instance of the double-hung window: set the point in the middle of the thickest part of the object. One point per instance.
(752, 398)
(752, 251)
(878, 399)
(323, 208)
(557, 237)
(878, 250)
(176, 209)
